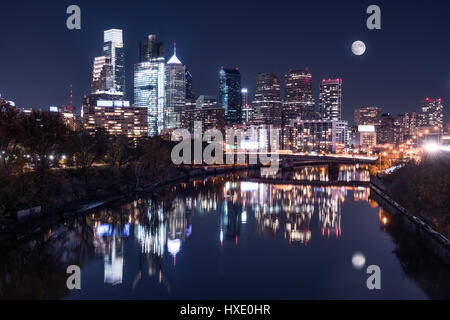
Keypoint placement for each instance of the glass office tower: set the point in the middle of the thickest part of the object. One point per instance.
(175, 91)
(229, 95)
(113, 50)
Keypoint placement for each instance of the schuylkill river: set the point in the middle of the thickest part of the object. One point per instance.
(231, 237)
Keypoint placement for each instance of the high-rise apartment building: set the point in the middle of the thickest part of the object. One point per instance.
(432, 113)
(267, 100)
(411, 123)
(331, 99)
(229, 95)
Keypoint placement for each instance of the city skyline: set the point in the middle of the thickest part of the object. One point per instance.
(365, 83)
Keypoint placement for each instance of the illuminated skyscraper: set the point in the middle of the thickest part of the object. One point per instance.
(102, 75)
(298, 99)
(247, 111)
(150, 50)
(149, 85)
(113, 50)
(267, 101)
(229, 95)
(175, 91)
(331, 99)
(432, 113)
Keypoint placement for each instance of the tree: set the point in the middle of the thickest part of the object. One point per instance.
(43, 136)
(154, 160)
(119, 151)
(89, 148)
(9, 136)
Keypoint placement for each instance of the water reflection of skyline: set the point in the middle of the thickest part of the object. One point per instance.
(161, 229)
(144, 238)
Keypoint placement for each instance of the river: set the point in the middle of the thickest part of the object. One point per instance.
(231, 237)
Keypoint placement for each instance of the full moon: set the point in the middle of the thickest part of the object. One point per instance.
(358, 48)
(358, 260)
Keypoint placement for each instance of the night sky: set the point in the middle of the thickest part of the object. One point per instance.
(406, 61)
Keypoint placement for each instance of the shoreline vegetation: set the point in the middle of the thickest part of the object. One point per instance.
(45, 164)
(423, 189)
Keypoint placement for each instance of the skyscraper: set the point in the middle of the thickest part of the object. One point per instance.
(175, 91)
(149, 85)
(113, 49)
(386, 130)
(432, 113)
(102, 75)
(229, 95)
(298, 98)
(152, 49)
(189, 89)
(400, 128)
(411, 123)
(267, 100)
(331, 99)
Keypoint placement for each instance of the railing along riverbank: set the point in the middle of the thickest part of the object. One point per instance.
(437, 243)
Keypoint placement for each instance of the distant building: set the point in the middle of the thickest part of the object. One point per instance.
(244, 93)
(366, 136)
(298, 98)
(331, 99)
(102, 75)
(151, 49)
(68, 115)
(267, 101)
(175, 91)
(317, 135)
(385, 131)
(204, 101)
(367, 116)
(189, 89)
(411, 121)
(432, 114)
(113, 50)
(229, 95)
(110, 112)
(400, 128)
(210, 117)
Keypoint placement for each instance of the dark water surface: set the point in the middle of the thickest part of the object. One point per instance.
(230, 237)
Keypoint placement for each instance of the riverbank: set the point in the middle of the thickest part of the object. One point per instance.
(437, 243)
(22, 231)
